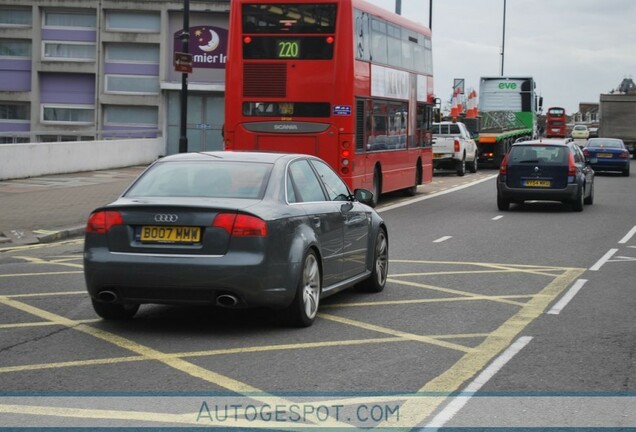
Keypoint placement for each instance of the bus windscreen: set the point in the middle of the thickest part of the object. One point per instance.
(283, 18)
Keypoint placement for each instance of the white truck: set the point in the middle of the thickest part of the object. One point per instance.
(454, 148)
(617, 114)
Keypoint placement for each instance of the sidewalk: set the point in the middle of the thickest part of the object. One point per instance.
(50, 208)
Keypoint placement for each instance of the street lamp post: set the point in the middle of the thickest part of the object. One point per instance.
(398, 7)
(185, 38)
(503, 38)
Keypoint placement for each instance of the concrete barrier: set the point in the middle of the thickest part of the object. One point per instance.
(37, 159)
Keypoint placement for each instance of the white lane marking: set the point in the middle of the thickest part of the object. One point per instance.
(433, 195)
(442, 239)
(628, 236)
(603, 260)
(497, 217)
(460, 401)
(558, 307)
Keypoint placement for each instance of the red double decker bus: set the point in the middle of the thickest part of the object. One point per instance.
(344, 80)
(555, 123)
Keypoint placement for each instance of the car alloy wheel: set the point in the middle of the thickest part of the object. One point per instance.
(377, 281)
(304, 308)
(311, 286)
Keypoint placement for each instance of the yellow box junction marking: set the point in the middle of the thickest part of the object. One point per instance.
(415, 408)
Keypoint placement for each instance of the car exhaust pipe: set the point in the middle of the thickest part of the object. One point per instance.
(226, 300)
(107, 296)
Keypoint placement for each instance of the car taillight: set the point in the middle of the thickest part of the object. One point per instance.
(571, 167)
(624, 154)
(503, 169)
(456, 145)
(103, 221)
(240, 225)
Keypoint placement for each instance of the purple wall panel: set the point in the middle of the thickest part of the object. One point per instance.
(15, 65)
(67, 88)
(14, 127)
(131, 69)
(69, 35)
(11, 80)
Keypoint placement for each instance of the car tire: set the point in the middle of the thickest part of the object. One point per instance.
(461, 167)
(377, 281)
(577, 204)
(502, 203)
(304, 308)
(590, 200)
(115, 311)
(626, 172)
(473, 166)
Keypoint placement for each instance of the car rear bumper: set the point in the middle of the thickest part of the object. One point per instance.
(569, 193)
(139, 278)
(611, 165)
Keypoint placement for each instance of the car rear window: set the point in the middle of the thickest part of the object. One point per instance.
(216, 179)
(445, 129)
(539, 154)
(605, 144)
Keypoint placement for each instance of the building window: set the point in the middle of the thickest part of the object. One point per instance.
(68, 114)
(132, 53)
(68, 51)
(15, 48)
(121, 21)
(10, 17)
(77, 20)
(116, 115)
(132, 84)
(14, 111)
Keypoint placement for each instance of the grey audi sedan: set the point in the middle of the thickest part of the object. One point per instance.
(234, 229)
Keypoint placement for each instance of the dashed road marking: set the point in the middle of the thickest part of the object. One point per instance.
(558, 307)
(628, 236)
(442, 239)
(610, 253)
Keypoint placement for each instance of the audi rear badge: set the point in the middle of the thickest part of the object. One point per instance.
(161, 217)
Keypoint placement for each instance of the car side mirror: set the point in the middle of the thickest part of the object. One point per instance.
(364, 196)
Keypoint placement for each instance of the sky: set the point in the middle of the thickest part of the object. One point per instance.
(574, 49)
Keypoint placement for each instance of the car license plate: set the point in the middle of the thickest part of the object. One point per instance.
(169, 234)
(604, 155)
(537, 183)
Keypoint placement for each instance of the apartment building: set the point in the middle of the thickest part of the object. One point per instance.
(102, 69)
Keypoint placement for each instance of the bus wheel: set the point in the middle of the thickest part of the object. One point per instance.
(411, 191)
(377, 187)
